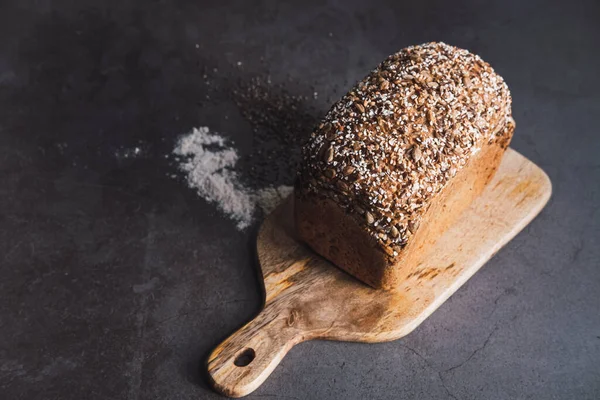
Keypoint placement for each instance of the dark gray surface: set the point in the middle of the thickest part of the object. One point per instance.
(116, 279)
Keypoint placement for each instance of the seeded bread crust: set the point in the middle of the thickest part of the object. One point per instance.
(399, 157)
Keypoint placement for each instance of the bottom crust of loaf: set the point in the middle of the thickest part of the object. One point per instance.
(340, 238)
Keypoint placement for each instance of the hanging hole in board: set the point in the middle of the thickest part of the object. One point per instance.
(244, 358)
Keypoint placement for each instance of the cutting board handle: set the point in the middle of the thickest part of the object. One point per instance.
(245, 359)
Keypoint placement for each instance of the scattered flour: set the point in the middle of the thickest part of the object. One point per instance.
(123, 153)
(269, 198)
(208, 163)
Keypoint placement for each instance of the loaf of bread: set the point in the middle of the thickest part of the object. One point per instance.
(397, 160)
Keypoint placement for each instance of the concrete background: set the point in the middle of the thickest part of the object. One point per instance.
(116, 280)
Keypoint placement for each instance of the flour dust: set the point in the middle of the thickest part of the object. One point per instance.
(208, 162)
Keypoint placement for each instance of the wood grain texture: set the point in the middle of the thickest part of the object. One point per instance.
(308, 298)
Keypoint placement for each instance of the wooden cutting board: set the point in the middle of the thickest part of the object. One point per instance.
(307, 298)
